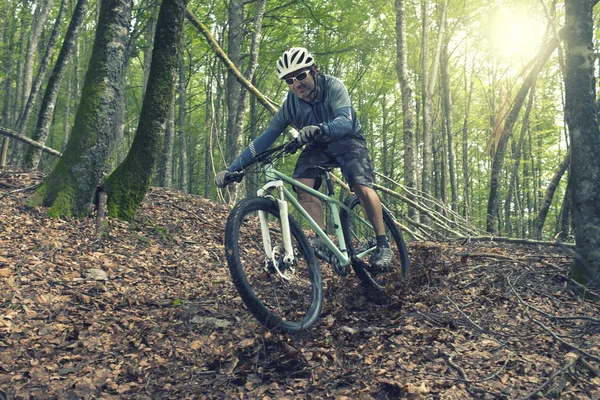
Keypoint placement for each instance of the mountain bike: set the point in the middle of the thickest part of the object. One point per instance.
(271, 261)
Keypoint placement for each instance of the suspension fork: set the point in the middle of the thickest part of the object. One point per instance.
(283, 218)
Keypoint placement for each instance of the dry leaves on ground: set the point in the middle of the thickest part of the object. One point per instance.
(149, 311)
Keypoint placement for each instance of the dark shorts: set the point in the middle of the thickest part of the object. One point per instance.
(350, 154)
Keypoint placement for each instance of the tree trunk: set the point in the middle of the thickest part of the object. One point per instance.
(493, 200)
(70, 187)
(8, 65)
(447, 100)
(26, 114)
(582, 119)
(264, 101)
(547, 202)
(408, 105)
(33, 154)
(429, 81)
(150, 28)
(516, 163)
(426, 104)
(67, 120)
(15, 111)
(165, 165)
(252, 184)
(564, 222)
(235, 37)
(127, 185)
(37, 27)
(183, 180)
(21, 65)
(213, 117)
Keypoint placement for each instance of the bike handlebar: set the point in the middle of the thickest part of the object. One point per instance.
(290, 147)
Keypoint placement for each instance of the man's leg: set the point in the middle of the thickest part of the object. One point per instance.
(372, 206)
(311, 204)
(382, 257)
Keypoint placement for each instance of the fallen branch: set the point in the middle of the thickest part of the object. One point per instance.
(552, 377)
(267, 103)
(18, 136)
(548, 330)
(595, 371)
(402, 227)
(555, 336)
(432, 214)
(571, 280)
(515, 241)
(456, 219)
(26, 189)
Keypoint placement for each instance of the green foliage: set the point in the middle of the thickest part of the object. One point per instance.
(355, 41)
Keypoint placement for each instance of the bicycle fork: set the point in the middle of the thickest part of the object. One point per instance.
(288, 256)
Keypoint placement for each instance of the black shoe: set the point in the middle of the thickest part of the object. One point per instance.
(381, 259)
(321, 250)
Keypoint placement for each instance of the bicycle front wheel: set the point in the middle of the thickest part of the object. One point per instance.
(283, 295)
(360, 237)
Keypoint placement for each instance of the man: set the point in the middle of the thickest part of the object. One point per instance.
(319, 106)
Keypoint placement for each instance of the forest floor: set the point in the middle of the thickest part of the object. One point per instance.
(149, 311)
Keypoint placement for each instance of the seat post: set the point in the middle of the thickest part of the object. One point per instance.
(328, 182)
(325, 171)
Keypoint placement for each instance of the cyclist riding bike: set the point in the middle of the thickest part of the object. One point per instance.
(319, 107)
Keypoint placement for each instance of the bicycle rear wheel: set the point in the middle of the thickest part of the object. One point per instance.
(360, 237)
(281, 295)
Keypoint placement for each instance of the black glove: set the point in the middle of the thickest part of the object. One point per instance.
(307, 134)
(221, 179)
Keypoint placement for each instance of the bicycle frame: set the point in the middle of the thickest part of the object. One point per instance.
(275, 181)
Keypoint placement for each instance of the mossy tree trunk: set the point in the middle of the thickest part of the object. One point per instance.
(69, 189)
(582, 119)
(127, 185)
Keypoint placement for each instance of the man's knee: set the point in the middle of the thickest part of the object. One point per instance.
(305, 197)
(362, 190)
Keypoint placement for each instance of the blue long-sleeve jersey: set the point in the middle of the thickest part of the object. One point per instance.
(332, 110)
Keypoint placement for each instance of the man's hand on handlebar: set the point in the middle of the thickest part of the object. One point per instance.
(225, 177)
(305, 136)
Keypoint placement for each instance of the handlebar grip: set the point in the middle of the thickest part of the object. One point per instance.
(233, 177)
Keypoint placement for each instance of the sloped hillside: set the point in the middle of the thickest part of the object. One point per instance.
(149, 311)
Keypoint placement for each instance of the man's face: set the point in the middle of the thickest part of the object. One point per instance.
(302, 83)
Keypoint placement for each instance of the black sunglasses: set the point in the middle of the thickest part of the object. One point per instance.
(300, 77)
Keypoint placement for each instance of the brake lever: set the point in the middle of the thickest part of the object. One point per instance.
(292, 146)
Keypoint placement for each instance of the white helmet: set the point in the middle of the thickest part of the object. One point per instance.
(294, 59)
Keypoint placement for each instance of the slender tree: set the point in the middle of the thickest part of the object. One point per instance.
(449, 131)
(33, 154)
(37, 83)
(506, 133)
(41, 14)
(235, 38)
(408, 105)
(549, 195)
(181, 131)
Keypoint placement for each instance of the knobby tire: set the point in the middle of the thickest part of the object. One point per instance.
(359, 237)
(286, 305)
